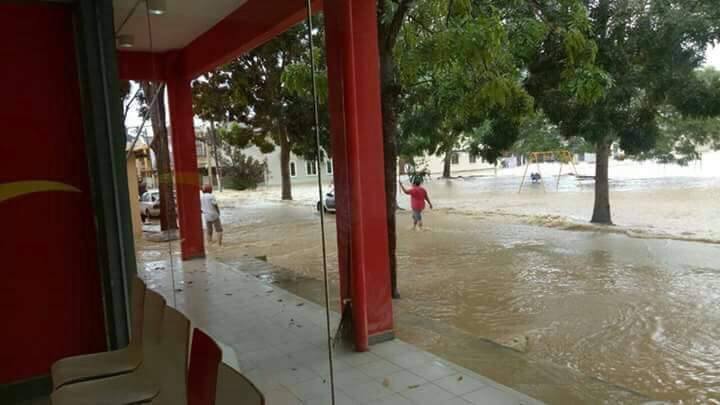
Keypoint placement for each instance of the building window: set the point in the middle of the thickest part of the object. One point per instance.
(455, 159)
(473, 158)
(200, 149)
(310, 168)
(293, 169)
(328, 167)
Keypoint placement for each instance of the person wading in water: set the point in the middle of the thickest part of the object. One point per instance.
(418, 196)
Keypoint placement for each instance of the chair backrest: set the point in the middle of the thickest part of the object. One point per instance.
(137, 299)
(153, 311)
(205, 357)
(234, 389)
(168, 366)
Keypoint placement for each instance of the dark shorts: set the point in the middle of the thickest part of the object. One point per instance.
(216, 224)
(417, 216)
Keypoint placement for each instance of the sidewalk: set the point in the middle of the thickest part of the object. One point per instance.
(281, 343)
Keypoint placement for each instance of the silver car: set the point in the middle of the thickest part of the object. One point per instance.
(328, 205)
(150, 204)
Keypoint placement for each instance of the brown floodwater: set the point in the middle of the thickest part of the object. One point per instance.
(593, 316)
(643, 314)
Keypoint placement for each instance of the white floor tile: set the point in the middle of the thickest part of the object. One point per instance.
(427, 394)
(460, 384)
(492, 396)
(366, 392)
(411, 360)
(403, 381)
(392, 400)
(434, 370)
(379, 369)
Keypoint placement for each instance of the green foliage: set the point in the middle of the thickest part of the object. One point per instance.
(242, 136)
(460, 74)
(212, 96)
(263, 95)
(679, 137)
(538, 135)
(645, 57)
(241, 172)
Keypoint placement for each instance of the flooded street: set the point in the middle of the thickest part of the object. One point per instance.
(593, 315)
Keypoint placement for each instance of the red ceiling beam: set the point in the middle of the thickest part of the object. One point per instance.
(251, 25)
(141, 65)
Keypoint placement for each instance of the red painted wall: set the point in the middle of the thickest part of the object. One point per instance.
(50, 292)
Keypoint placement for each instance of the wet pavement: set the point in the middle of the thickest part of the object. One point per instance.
(280, 341)
(622, 314)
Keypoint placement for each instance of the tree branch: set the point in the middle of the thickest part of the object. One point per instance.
(390, 31)
(421, 24)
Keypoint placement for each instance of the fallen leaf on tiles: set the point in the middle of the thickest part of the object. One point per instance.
(386, 382)
(228, 294)
(460, 378)
(412, 387)
(178, 290)
(301, 304)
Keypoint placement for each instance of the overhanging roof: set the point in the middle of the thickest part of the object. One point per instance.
(197, 36)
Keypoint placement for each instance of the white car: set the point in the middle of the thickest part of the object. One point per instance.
(150, 204)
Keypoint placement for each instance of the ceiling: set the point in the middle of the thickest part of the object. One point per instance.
(183, 21)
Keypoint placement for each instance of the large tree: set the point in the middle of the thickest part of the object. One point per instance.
(491, 37)
(260, 107)
(460, 77)
(649, 51)
(154, 91)
(210, 97)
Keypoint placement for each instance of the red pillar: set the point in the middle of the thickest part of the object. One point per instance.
(187, 178)
(356, 129)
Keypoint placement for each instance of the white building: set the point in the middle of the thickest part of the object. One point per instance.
(301, 171)
(305, 172)
(461, 162)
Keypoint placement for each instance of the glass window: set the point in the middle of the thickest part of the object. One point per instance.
(293, 169)
(200, 148)
(328, 167)
(310, 168)
(473, 158)
(455, 158)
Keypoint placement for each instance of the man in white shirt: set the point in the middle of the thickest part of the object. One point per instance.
(211, 214)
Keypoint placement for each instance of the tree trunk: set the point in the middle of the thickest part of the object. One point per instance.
(218, 168)
(601, 211)
(285, 166)
(447, 163)
(389, 100)
(160, 146)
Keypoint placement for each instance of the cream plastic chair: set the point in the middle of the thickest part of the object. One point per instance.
(162, 370)
(234, 389)
(99, 365)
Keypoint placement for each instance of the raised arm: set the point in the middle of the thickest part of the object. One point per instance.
(402, 187)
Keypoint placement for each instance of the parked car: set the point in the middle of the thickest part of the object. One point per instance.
(150, 204)
(329, 203)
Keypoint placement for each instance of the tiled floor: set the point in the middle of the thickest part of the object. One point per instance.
(280, 341)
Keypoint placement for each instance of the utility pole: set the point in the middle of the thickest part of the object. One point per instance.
(218, 170)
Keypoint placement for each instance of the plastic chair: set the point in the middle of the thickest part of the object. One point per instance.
(99, 365)
(234, 389)
(162, 369)
(205, 357)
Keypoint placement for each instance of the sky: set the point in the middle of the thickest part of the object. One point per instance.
(713, 57)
